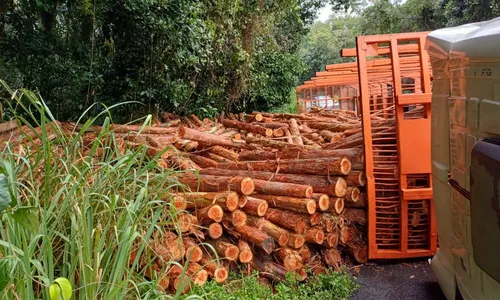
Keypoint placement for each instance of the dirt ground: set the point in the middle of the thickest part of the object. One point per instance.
(398, 281)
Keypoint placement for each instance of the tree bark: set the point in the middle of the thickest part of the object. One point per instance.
(282, 189)
(274, 231)
(286, 219)
(225, 249)
(208, 183)
(357, 216)
(296, 241)
(203, 162)
(294, 130)
(291, 259)
(322, 201)
(301, 205)
(356, 178)
(208, 139)
(320, 166)
(209, 214)
(314, 236)
(256, 237)
(256, 207)
(334, 186)
(226, 200)
(246, 254)
(248, 127)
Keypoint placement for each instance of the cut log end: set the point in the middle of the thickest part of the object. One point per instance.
(221, 274)
(332, 240)
(283, 238)
(247, 186)
(258, 117)
(262, 208)
(345, 166)
(353, 194)
(215, 230)
(232, 201)
(179, 202)
(309, 192)
(300, 226)
(269, 132)
(238, 218)
(231, 253)
(242, 201)
(268, 245)
(292, 262)
(340, 187)
(215, 213)
(194, 254)
(184, 221)
(323, 202)
(339, 205)
(361, 178)
(246, 256)
(296, 241)
(311, 207)
(301, 274)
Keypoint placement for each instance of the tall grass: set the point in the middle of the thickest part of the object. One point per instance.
(78, 216)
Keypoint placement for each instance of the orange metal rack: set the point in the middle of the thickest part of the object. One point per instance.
(392, 79)
(395, 80)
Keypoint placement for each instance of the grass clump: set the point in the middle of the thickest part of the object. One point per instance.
(76, 209)
(331, 285)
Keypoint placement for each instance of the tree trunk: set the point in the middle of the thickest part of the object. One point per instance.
(294, 130)
(208, 183)
(215, 230)
(226, 200)
(291, 259)
(226, 153)
(209, 214)
(356, 178)
(335, 186)
(248, 127)
(193, 251)
(362, 202)
(225, 249)
(286, 219)
(282, 189)
(314, 236)
(214, 269)
(203, 162)
(274, 231)
(322, 201)
(256, 237)
(296, 241)
(301, 205)
(256, 207)
(332, 258)
(352, 194)
(320, 166)
(208, 139)
(355, 216)
(336, 205)
(268, 268)
(246, 254)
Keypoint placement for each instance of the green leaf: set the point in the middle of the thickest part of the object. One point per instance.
(60, 289)
(26, 218)
(5, 197)
(4, 274)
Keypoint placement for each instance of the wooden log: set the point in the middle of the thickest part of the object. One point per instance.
(203, 162)
(332, 240)
(257, 117)
(320, 166)
(223, 152)
(314, 236)
(178, 201)
(164, 282)
(357, 216)
(282, 189)
(352, 194)
(305, 253)
(301, 205)
(332, 258)
(331, 126)
(209, 214)
(268, 268)
(184, 222)
(333, 186)
(336, 205)
(179, 280)
(193, 251)
(274, 231)
(248, 127)
(362, 202)
(208, 183)
(301, 274)
(216, 158)
(226, 200)
(289, 140)
(209, 139)
(246, 254)
(215, 230)
(358, 250)
(242, 201)
(238, 218)
(277, 144)
(291, 259)
(279, 132)
(214, 269)
(256, 207)
(356, 178)
(286, 219)
(322, 201)
(296, 241)
(142, 129)
(197, 274)
(331, 136)
(225, 249)
(294, 130)
(169, 247)
(196, 120)
(256, 237)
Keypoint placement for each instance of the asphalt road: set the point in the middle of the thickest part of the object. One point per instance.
(398, 281)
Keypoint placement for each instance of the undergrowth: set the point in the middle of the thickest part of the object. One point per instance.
(331, 285)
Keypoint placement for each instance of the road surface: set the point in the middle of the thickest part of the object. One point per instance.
(398, 281)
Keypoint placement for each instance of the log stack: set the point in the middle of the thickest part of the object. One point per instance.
(277, 193)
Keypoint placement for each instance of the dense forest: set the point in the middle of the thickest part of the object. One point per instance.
(193, 56)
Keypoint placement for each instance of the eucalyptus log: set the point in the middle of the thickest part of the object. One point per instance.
(256, 237)
(301, 205)
(282, 189)
(274, 231)
(208, 183)
(248, 127)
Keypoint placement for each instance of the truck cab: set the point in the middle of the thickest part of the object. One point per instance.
(466, 158)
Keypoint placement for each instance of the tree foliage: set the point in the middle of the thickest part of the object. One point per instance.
(185, 56)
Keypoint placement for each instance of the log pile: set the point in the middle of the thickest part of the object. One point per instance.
(276, 193)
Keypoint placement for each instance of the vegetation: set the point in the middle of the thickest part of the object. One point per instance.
(329, 286)
(65, 214)
(324, 41)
